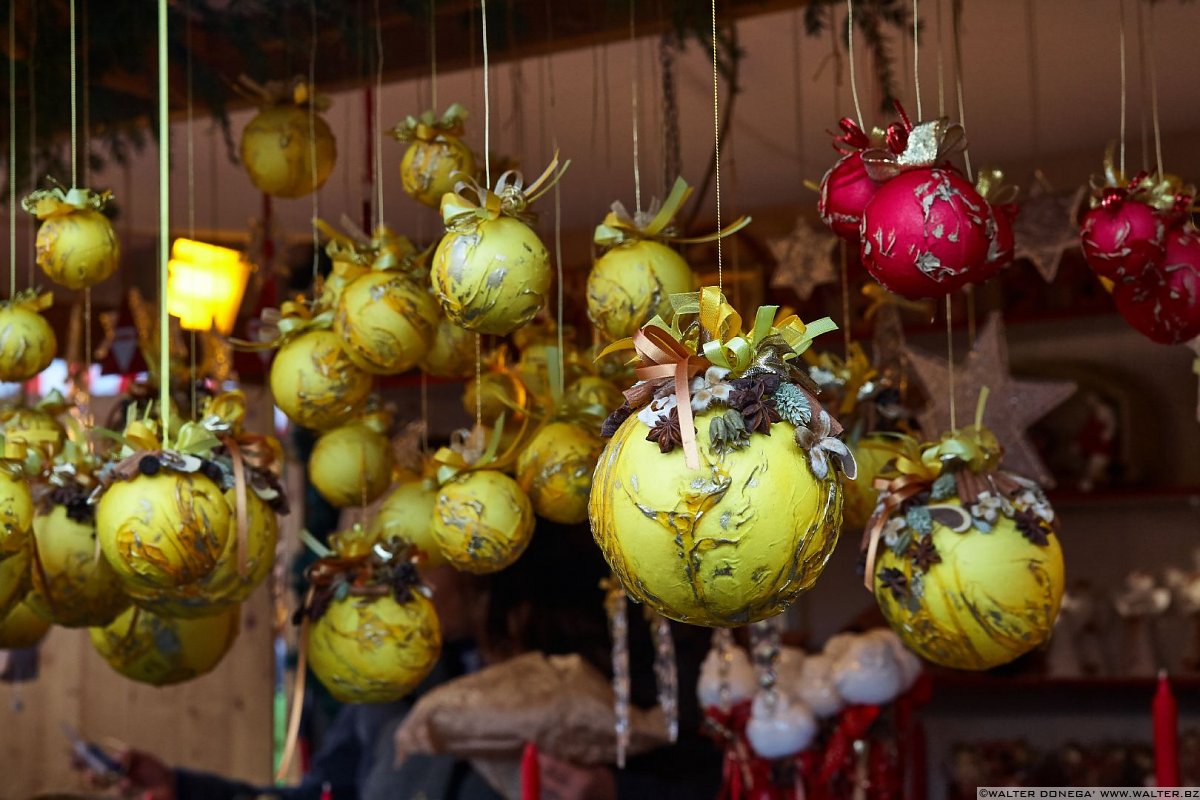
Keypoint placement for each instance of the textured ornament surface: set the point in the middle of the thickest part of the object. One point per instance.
(72, 587)
(278, 151)
(1164, 305)
(27, 343)
(407, 514)
(16, 513)
(147, 648)
(430, 169)
(14, 576)
(633, 282)
(1122, 240)
(386, 322)
(78, 249)
(351, 465)
(315, 383)
(845, 191)
(555, 470)
(732, 542)
(451, 352)
(21, 627)
(482, 521)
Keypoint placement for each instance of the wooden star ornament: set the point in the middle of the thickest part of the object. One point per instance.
(1045, 227)
(805, 258)
(1012, 406)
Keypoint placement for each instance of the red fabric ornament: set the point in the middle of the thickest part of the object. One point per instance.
(1122, 238)
(926, 232)
(845, 191)
(1164, 305)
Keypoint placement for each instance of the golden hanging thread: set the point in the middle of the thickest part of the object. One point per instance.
(717, 144)
(312, 150)
(1158, 153)
(164, 226)
(850, 49)
(12, 149)
(941, 69)
(956, 22)
(487, 103)
(74, 134)
(917, 57)
(637, 68)
(378, 133)
(433, 53)
(1124, 88)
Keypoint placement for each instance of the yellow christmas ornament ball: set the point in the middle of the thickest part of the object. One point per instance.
(351, 465)
(27, 342)
(872, 453)
(733, 542)
(160, 651)
(34, 428)
(224, 586)
(501, 391)
(482, 521)
(385, 322)
(71, 587)
(21, 627)
(374, 649)
(315, 383)
(278, 151)
(430, 169)
(77, 247)
(16, 512)
(491, 277)
(993, 596)
(407, 514)
(14, 577)
(631, 283)
(555, 470)
(451, 352)
(163, 530)
(594, 392)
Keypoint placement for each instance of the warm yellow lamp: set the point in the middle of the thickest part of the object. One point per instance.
(205, 285)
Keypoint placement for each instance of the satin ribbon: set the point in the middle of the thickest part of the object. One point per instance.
(293, 728)
(427, 128)
(56, 200)
(383, 250)
(241, 508)
(34, 300)
(279, 325)
(926, 144)
(296, 92)
(470, 204)
(619, 226)
(661, 355)
(1166, 193)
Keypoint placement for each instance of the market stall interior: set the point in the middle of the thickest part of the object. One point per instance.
(513, 398)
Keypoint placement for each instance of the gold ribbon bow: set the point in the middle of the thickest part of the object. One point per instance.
(511, 197)
(292, 318)
(853, 372)
(383, 250)
(427, 128)
(58, 199)
(619, 226)
(991, 186)
(477, 449)
(296, 92)
(661, 355)
(34, 300)
(928, 144)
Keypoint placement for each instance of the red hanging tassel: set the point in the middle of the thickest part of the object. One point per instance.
(531, 779)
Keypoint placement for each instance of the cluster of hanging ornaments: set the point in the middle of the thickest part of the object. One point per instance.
(1139, 236)
(922, 228)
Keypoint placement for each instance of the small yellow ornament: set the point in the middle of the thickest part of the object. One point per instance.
(871, 453)
(733, 542)
(27, 342)
(287, 148)
(990, 598)
(76, 245)
(385, 321)
(16, 511)
(436, 158)
(71, 587)
(315, 383)
(555, 470)
(22, 628)
(633, 282)
(34, 428)
(14, 577)
(451, 352)
(352, 465)
(482, 521)
(373, 649)
(407, 514)
(163, 530)
(151, 649)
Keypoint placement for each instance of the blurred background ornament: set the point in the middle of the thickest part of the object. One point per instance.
(1141, 602)
(1047, 227)
(805, 259)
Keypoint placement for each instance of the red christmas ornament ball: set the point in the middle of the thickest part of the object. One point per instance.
(1164, 305)
(1122, 238)
(1000, 253)
(926, 232)
(845, 191)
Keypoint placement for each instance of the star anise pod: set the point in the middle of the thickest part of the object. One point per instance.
(924, 554)
(746, 390)
(1033, 528)
(666, 432)
(754, 401)
(614, 420)
(896, 582)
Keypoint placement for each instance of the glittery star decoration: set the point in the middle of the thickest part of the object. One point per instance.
(1045, 227)
(1012, 406)
(805, 259)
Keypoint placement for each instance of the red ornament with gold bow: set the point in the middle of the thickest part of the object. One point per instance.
(847, 188)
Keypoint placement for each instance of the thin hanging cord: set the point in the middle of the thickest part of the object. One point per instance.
(12, 148)
(312, 150)
(487, 114)
(33, 165)
(558, 262)
(950, 363)
(164, 225)
(85, 375)
(433, 53)
(86, 128)
(958, 81)
(917, 57)
(74, 123)
(478, 380)
(1158, 153)
(1124, 88)
(941, 68)
(378, 133)
(850, 50)
(191, 194)
(1143, 87)
(717, 145)
(637, 68)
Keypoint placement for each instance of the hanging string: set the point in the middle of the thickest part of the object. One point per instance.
(433, 53)
(164, 225)
(956, 21)
(191, 192)
(1124, 88)
(1143, 86)
(1031, 58)
(850, 49)
(717, 144)
(950, 363)
(558, 262)
(378, 133)
(312, 150)
(637, 69)
(941, 70)
(85, 373)
(917, 57)
(87, 106)
(31, 67)
(74, 124)
(487, 112)
(12, 149)
(1158, 155)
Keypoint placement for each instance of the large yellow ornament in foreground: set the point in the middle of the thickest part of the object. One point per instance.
(27, 342)
(315, 382)
(71, 587)
(733, 542)
(148, 648)
(482, 521)
(555, 470)
(374, 649)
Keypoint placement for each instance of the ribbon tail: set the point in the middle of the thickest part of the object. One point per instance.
(293, 729)
(871, 535)
(240, 500)
(687, 429)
